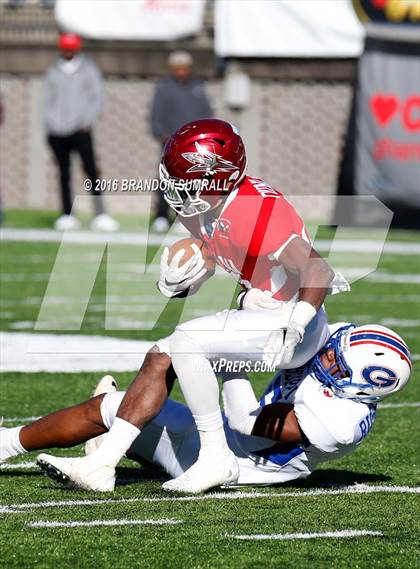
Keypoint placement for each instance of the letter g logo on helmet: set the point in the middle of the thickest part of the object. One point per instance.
(379, 376)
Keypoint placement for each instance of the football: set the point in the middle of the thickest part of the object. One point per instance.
(189, 252)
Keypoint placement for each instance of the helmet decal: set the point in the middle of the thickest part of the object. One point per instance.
(206, 161)
(379, 376)
(380, 338)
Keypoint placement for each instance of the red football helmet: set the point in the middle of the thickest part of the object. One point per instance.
(202, 159)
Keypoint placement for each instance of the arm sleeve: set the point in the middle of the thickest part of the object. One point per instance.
(329, 423)
(95, 97)
(48, 101)
(158, 113)
(241, 405)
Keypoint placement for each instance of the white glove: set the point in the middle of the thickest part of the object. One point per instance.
(175, 279)
(281, 345)
(256, 299)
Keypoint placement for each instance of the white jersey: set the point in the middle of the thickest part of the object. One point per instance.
(333, 427)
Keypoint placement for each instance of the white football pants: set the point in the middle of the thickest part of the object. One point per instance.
(238, 335)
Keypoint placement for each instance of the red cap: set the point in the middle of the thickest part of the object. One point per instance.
(69, 41)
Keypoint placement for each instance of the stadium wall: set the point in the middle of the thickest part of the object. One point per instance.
(293, 130)
(293, 127)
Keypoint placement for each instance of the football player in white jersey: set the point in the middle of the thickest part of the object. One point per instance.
(319, 411)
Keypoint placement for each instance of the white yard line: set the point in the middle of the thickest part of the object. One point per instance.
(389, 278)
(356, 489)
(399, 405)
(368, 246)
(38, 352)
(391, 322)
(401, 322)
(95, 523)
(20, 419)
(352, 274)
(18, 466)
(112, 323)
(228, 495)
(137, 238)
(22, 352)
(82, 237)
(286, 536)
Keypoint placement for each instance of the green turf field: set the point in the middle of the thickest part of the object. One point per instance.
(202, 537)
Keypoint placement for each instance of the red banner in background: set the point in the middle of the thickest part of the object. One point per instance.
(387, 140)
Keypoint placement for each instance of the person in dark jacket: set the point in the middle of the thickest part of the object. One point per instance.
(73, 101)
(178, 99)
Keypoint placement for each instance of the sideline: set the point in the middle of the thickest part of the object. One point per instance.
(69, 353)
(89, 237)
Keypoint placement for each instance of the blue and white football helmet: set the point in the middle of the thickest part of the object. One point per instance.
(372, 362)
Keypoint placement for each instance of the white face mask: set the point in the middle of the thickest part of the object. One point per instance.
(69, 66)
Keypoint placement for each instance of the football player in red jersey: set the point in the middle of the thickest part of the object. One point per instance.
(256, 235)
(252, 231)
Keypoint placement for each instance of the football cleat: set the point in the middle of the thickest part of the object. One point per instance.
(201, 476)
(78, 472)
(106, 385)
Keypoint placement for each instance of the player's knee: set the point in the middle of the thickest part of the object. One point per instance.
(156, 361)
(183, 341)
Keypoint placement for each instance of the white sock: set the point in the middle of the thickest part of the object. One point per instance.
(214, 446)
(10, 443)
(201, 391)
(116, 442)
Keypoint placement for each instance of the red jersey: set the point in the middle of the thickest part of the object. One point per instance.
(246, 239)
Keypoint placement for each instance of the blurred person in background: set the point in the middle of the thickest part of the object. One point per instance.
(73, 100)
(178, 99)
(1, 122)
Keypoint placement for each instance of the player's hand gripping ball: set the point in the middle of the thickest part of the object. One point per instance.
(185, 265)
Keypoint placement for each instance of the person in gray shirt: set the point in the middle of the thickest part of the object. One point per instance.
(178, 99)
(73, 101)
